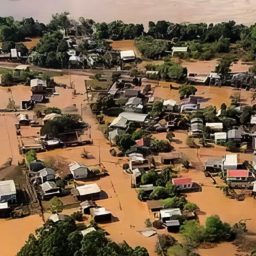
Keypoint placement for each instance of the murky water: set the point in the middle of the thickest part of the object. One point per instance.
(243, 11)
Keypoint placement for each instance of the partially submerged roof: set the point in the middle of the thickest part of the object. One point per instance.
(234, 134)
(155, 204)
(7, 187)
(167, 213)
(181, 181)
(99, 211)
(170, 155)
(48, 185)
(135, 117)
(218, 126)
(37, 82)
(51, 116)
(88, 189)
(220, 135)
(57, 217)
(22, 67)
(119, 122)
(87, 231)
(170, 102)
(134, 101)
(237, 173)
(75, 165)
(129, 54)
(230, 159)
(179, 49)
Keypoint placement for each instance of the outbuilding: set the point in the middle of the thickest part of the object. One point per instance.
(168, 214)
(8, 191)
(183, 183)
(78, 171)
(101, 214)
(128, 55)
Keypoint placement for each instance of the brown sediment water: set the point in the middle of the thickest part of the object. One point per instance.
(14, 233)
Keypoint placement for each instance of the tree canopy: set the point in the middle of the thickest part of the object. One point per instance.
(63, 238)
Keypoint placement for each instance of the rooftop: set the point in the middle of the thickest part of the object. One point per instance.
(181, 181)
(135, 117)
(237, 173)
(75, 165)
(88, 189)
(167, 213)
(7, 187)
(99, 211)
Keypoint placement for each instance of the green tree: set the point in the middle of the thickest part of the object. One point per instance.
(186, 90)
(7, 46)
(149, 177)
(56, 205)
(223, 67)
(125, 141)
(216, 230)
(31, 156)
(193, 232)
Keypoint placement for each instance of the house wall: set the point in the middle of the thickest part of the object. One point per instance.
(8, 198)
(184, 186)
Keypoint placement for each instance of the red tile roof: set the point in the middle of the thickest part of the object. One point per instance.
(237, 173)
(181, 181)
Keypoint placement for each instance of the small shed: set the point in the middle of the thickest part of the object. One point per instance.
(23, 119)
(128, 55)
(78, 171)
(46, 174)
(101, 214)
(87, 205)
(38, 85)
(49, 189)
(220, 137)
(170, 158)
(155, 205)
(168, 214)
(230, 162)
(7, 191)
(172, 226)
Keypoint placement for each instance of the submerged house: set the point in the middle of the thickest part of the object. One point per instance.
(183, 183)
(8, 193)
(38, 86)
(78, 171)
(125, 118)
(101, 214)
(134, 104)
(49, 189)
(169, 214)
(128, 55)
(89, 191)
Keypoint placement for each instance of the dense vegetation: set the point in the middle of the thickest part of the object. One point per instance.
(64, 239)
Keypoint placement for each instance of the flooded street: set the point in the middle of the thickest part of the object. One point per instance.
(243, 11)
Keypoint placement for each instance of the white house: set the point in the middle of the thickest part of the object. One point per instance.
(176, 49)
(230, 162)
(38, 85)
(220, 137)
(167, 214)
(7, 191)
(79, 171)
(128, 55)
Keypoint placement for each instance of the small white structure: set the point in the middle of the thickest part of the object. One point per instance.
(169, 104)
(22, 68)
(79, 171)
(220, 137)
(176, 49)
(166, 214)
(51, 117)
(128, 55)
(230, 162)
(87, 231)
(7, 191)
(215, 126)
(38, 85)
(253, 119)
(100, 214)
